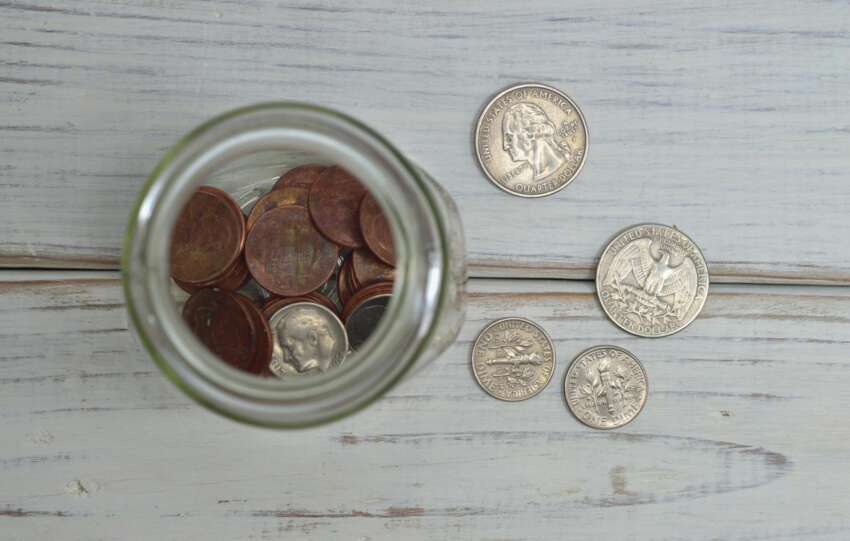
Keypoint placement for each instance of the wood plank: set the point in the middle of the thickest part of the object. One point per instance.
(728, 119)
(743, 436)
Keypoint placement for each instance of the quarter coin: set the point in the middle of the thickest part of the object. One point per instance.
(605, 387)
(652, 280)
(531, 140)
(308, 339)
(513, 359)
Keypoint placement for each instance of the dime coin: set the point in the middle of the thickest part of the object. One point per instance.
(531, 140)
(368, 269)
(264, 342)
(224, 325)
(302, 176)
(207, 239)
(513, 359)
(652, 280)
(364, 319)
(285, 253)
(335, 206)
(292, 195)
(376, 230)
(605, 387)
(308, 339)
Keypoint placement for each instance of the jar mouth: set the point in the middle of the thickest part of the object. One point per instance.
(334, 138)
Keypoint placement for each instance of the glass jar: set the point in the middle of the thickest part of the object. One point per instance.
(243, 152)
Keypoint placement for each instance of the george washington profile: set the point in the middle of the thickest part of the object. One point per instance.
(528, 135)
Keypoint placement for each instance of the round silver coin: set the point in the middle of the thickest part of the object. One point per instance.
(652, 280)
(513, 359)
(365, 319)
(605, 387)
(531, 140)
(308, 339)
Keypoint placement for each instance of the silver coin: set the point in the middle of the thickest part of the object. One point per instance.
(513, 359)
(605, 387)
(308, 339)
(531, 140)
(365, 319)
(652, 280)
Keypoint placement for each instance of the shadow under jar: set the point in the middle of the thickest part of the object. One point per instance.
(243, 154)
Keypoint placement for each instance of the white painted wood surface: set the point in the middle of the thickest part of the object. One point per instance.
(728, 119)
(744, 435)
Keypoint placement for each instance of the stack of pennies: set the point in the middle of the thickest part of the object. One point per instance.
(291, 284)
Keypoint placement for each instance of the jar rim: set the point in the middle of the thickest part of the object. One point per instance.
(421, 270)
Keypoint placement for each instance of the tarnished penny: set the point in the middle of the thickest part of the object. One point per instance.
(263, 343)
(368, 269)
(652, 280)
(531, 140)
(381, 288)
(605, 387)
(224, 325)
(233, 279)
(376, 230)
(290, 195)
(364, 319)
(308, 339)
(208, 237)
(302, 176)
(513, 359)
(335, 206)
(286, 254)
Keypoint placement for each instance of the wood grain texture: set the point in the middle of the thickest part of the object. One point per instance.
(728, 119)
(744, 435)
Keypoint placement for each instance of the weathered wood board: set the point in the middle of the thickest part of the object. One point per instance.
(728, 119)
(744, 435)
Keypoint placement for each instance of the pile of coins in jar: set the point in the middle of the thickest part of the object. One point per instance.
(292, 285)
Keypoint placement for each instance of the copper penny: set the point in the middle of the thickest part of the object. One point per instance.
(368, 269)
(381, 288)
(208, 237)
(291, 195)
(264, 343)
(376, 230)
(335, 206)
(233, 279)
(220, 321)
(285, 253)
(302, 176)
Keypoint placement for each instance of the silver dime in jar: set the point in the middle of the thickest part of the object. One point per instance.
(308, 339)
(652, 280)
(531, 140)
(513, 359)
(605, 387)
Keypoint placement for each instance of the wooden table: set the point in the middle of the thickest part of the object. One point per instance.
(730, 120)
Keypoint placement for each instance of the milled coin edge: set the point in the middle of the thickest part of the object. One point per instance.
(511, 89)
(524, 320)
(567, 378)
(598, 279)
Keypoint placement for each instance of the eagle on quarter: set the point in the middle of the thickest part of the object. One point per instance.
(650, 271)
